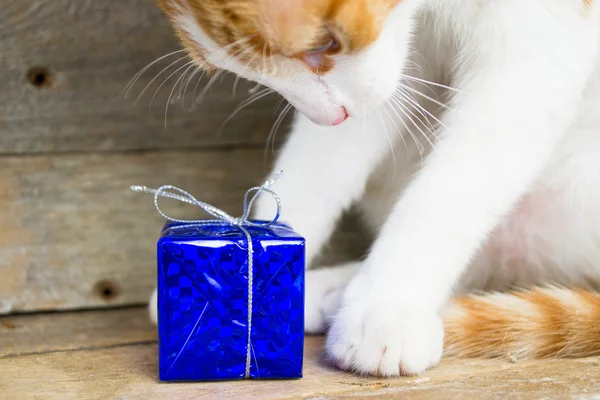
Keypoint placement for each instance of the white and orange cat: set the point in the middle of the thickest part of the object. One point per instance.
(467, 132)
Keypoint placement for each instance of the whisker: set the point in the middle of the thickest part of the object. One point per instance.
(255, 88)
(415, 91)
(413, 101)
(426, 82)
(208, 86)
(401, 95)
(225, 49)
(286, 110)
(279, 103)
(196, 88)
(165, 80)
(172, 90)
(389, 140)
(156, 77)
(188, 83)
(227, 60)
(238, 76)
(132, 81)
(412, 135)
(183, 79)
(410, 132)
(404, 110)
(395, 125)
(424, 122)
(401, 103)
(235, 84)
(414, 51)
(254, 98)
(273, 131)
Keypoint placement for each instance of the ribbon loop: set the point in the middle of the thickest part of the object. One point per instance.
(176, 193)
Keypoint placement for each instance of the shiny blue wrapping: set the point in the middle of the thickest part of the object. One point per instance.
(203, 302)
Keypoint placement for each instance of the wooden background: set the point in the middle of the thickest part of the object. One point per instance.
(72, 235)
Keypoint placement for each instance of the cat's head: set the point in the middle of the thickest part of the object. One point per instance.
(329, 58)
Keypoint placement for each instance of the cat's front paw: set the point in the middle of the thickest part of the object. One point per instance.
(370, 336)
(324, 288)
(153, 307)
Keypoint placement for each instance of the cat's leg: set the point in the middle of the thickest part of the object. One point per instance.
(325, 286)
(516, 102)
(325, 170)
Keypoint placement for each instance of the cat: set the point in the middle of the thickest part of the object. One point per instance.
(467, 134)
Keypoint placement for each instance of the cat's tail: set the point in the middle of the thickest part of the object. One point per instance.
(535, 323)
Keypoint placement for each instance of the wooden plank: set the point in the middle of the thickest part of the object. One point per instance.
(41, 362)
(65, 63)
(44, 333)
(74, 236)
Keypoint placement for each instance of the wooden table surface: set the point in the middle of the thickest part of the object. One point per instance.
(112, 354)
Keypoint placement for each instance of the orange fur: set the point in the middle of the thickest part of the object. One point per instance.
(537, 323)
(280, 28)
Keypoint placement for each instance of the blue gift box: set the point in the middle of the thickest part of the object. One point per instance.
(203, 313)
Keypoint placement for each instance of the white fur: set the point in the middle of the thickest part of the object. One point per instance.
(324, 288)
(507, 196)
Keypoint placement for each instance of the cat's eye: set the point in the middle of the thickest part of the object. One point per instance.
(331, 46)
(318, 59)
(322, 49)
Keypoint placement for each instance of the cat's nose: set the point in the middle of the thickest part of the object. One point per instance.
(342, 117)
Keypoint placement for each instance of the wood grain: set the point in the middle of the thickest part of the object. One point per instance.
(74, 236)
(83, 53)
(72, 228)
(112, 363)
(45, 333)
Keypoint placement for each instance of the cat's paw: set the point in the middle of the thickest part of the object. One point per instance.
(322, 300)
(153, 307)
(324, 288)
(372, 337)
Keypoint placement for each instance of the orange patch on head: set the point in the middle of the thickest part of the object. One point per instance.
(359, 22)
(255, 29)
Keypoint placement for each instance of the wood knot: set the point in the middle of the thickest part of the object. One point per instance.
(40, 77)
(8, 324)
(107, 290)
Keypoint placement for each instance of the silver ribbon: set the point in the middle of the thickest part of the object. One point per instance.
(242, 222)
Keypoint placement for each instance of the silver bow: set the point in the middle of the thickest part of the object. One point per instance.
(176, 193)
